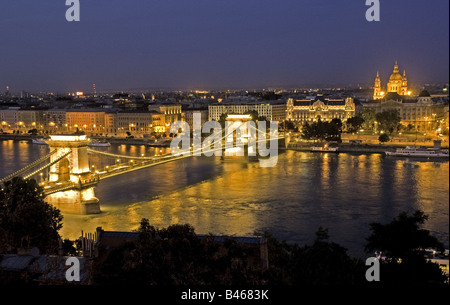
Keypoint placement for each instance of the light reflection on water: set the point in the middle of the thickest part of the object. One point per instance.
(341, 192)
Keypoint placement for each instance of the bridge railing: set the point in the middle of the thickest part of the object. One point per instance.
(28, 167)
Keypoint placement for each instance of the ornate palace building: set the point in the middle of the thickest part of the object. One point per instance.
(310, 110)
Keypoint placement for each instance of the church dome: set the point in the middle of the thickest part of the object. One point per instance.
(395, 76)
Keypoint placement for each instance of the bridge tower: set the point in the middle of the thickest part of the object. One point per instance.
(73, 174)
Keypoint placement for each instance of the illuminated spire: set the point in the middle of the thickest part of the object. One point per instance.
(396, 67)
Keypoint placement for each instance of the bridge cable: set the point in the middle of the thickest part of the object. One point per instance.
(29, 166)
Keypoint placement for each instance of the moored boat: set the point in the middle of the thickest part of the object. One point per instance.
(328, 147)
(419, 152)
(38, 141)
(99, 144)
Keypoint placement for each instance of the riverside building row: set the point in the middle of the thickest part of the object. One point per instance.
(418, 111)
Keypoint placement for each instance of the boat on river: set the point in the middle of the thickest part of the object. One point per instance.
(39, 141)
(327, 147)
(419, 152)
(99, 144)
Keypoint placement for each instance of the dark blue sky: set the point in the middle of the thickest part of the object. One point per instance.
(122, 44)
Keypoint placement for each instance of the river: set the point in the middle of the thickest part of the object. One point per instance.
(342, 192)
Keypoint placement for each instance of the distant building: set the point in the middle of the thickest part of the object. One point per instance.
(271, 110)
(165, 115)
(88, 120)
(397, 83)
(134, 122)
(30, 119)
(310, 110)
(9, 118)
(421, 112)
(53, 118)
(189, 117)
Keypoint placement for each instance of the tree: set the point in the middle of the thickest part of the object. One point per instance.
(334, 130)
(308, 132)
(26, 220)
(329, 131)
(383, 138)
(402, 242)
(402, 237)
(354, 124)
(176, 256)
(289, 125)
(388, 120)
(369, 116)
(322, 263)
(223, 119)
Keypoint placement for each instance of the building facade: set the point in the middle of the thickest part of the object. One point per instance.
(272, 111)
(90, 121)
(397, 83)
(419, 113)
(310, 110)
(9, 119)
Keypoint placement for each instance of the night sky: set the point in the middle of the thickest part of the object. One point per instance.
(218, 44)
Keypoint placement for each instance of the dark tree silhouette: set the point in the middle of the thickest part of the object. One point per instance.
(402, 242)
(26, 220)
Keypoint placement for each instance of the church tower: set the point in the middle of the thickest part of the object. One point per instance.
(377, 93)
(404, 84)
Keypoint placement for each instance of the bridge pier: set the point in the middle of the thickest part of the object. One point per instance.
(72, 171)
(75, 201)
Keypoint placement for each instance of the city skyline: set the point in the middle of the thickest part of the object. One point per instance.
(219, 45)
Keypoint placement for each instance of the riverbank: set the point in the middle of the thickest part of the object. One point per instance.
(112, 140)
(354, 148)
(303, 146)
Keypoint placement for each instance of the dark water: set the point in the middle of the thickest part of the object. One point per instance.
(341, 192)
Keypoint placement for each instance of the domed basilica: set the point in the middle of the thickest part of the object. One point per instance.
(397, 83)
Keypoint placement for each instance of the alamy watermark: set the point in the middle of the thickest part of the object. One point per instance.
(73, 12)
(251, 139)
(73, 272)
(373, 12)
(373, 272)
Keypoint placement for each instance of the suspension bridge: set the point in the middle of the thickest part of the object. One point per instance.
(71, 179)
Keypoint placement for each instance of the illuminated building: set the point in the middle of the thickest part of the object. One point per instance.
(9, 118)
(134, 122)
(31, 118)
(397, 83)
(271, 110)
(91, 121)
(165, 114)
(419, 113)
(310, 110)
(55, 117)
(189, 117)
